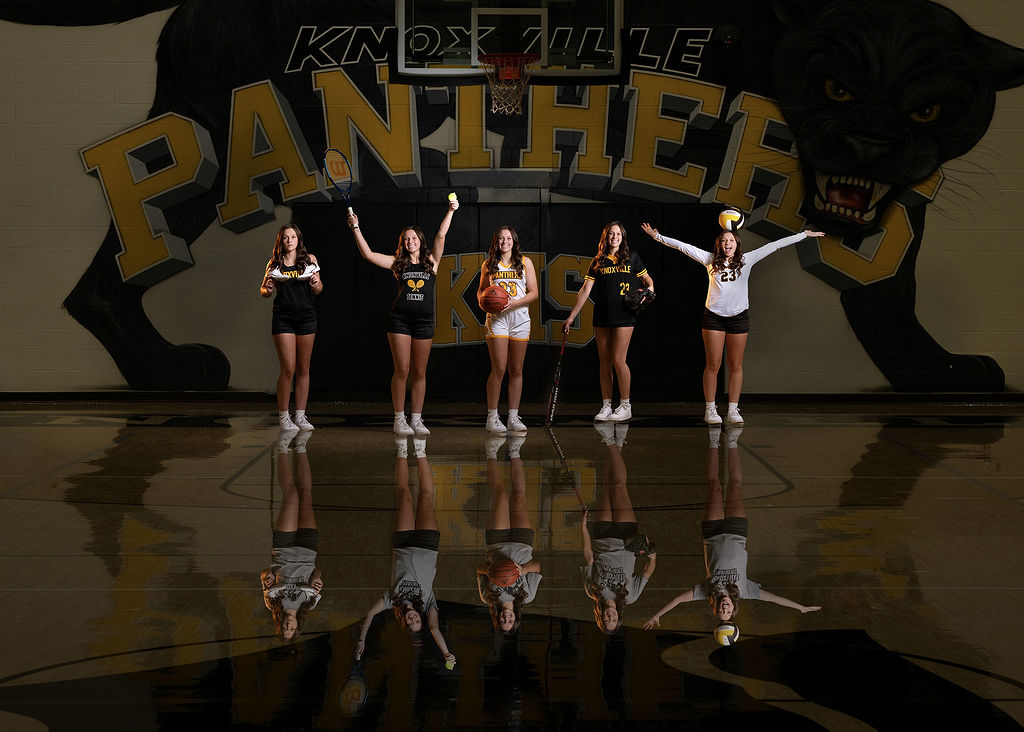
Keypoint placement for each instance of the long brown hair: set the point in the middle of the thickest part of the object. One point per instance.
(493, 599)
(717, 595)
(602, 246)
(494, 255)
(619, 601)
(721, 262)
(402, 257)
(276, 608)
(301, 255)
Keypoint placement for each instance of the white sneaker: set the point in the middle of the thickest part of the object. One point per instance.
(514, 443)
(714, 435)
(493, 445)
(734, 416)
(622, 413)
(494, 425)
(418, 427)
(621, 429)
(287, 425)
(605, 414)
(419, 447)
(516, 425)
(607, 432)
(732, 434)
(402, 427)
(301, 440)
(284, 439)
(302, 423)
(711, 415)
(402, 446)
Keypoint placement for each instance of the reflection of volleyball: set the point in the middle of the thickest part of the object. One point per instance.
(731, 219)
(726, 634)
(503, 573)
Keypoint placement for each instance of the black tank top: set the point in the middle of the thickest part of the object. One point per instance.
(415, 294)
(294, 296)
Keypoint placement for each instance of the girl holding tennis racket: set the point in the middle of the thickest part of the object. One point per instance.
(411, 321)
(293, 273)
(613, 273)
(507, 332)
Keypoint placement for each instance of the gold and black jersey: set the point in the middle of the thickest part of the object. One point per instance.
(613, 280)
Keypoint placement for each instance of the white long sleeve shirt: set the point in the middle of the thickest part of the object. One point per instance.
(727, 290)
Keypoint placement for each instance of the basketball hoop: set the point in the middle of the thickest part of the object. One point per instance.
(508, 74)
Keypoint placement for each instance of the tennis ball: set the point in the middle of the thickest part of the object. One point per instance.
(452, 197)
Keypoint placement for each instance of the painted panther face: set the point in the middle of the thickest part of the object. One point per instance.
(879, 94)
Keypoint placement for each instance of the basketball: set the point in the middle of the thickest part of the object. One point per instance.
(731, 219)
(503, 573)
(726, 634)
(494, 299)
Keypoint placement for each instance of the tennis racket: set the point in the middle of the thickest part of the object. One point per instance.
(553, 397)
(354, 692)
(339, 173)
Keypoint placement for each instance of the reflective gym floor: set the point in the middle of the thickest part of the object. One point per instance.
(134, 536)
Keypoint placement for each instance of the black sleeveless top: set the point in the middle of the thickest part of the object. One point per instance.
(294, 297)
(415, 295)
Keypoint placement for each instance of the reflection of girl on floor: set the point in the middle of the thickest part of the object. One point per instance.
(508, 536)
(724, 528)
(292, 584)
(610, 576)
(413, 558)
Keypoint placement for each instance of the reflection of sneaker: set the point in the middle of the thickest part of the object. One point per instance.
(622, 413)
(607, 432)
(302, 423)
(418, 427)
(714, 435)
(493, 445)
(402, 445)
(605, 414)
(419, 446)
(732, 434)
(301, 440)
(516, 425)
(402, 427)
(620, 433)
(514, 443)
(734, 416)
(711, 415)
(494, 425)
(284, 439)
(287, 425)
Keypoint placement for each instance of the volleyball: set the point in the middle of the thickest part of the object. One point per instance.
(727, 634)
(731, 219)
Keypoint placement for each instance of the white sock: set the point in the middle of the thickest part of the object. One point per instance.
(513, 413)
(606, 403)
(282, 415)
(709, 405)
(492, 413)
(734, 405)
(399, 414)
(300, 413)
(624, 402)
(414, 416)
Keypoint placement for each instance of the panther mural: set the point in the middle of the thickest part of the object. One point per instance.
(875, 96)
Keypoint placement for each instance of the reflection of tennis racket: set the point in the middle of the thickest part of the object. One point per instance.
(565, 466)
(339, 173)
(553, 398)
(354, 692)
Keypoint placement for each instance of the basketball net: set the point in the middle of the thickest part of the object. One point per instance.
(507, 74)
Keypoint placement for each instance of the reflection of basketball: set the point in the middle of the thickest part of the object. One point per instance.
(503, 573)
(493, 299)
(726, 634)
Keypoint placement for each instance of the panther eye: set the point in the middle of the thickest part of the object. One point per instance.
(835, 91)
(929, 113)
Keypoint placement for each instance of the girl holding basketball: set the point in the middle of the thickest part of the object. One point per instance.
(724, 529)
(507, 332)
(726, 321)
(415, 541)
(294, 274)
(509, 578)
(411, 321)
(613, 273)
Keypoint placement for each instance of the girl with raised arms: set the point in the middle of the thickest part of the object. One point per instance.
(726, 321)
(613, 273)
(411, 321)
(507, 332)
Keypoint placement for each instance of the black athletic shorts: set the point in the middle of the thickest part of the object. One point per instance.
(419, 538)
(739, 323)
(498, 536)
(728, 525)
(624, 530)
(299, 325)
(420, 327)
(306, 538)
